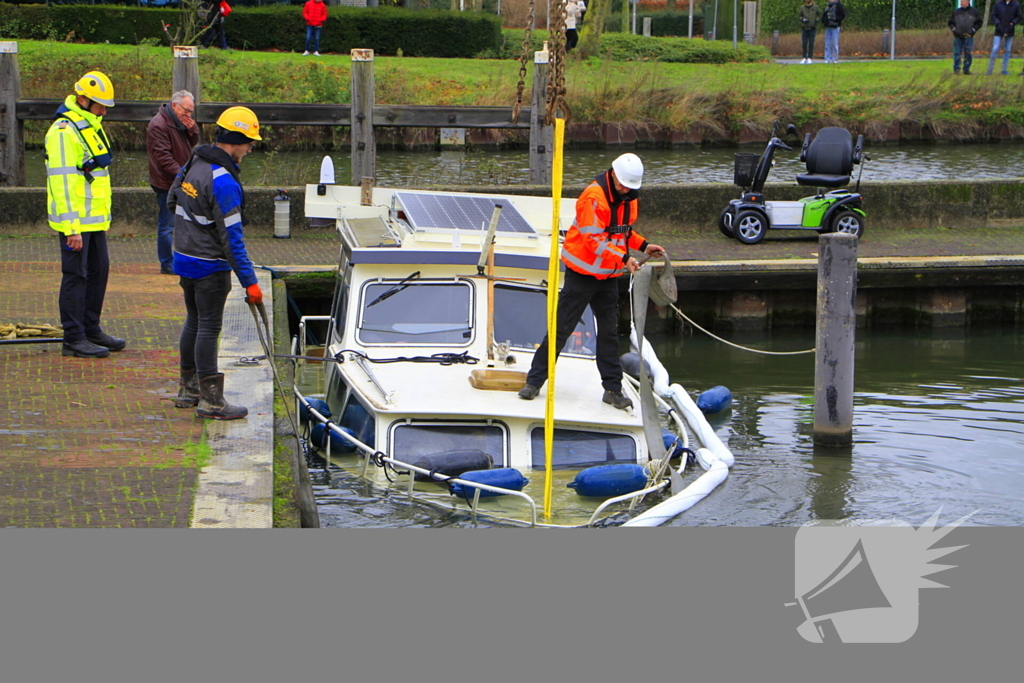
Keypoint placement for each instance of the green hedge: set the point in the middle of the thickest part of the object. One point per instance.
(861, 15)
(626, 47)
(276, 27)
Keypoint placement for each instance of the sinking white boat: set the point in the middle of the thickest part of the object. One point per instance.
(439, 305)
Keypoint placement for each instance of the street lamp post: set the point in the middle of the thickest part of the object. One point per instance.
(892, 33)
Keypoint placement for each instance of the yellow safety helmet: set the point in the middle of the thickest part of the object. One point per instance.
(240, 120)
(97, 87)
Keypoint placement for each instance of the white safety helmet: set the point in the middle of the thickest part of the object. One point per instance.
(629, 170)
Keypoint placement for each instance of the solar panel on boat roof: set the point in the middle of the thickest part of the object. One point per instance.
(458, 211)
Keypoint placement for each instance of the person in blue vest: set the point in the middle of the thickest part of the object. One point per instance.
(1005, 17)
(208, 203)
(78, 197)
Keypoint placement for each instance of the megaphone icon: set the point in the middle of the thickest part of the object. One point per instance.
(851, 586)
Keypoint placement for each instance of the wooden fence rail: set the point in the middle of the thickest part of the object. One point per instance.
(14, 111)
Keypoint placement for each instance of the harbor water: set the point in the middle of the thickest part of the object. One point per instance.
(938, 423)
(662, 166)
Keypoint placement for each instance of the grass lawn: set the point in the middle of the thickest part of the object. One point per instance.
(718, 99)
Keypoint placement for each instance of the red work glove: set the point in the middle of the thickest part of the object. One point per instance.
(253, 295)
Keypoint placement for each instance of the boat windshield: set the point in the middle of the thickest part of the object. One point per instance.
(574, 448)
(520, 318)
(414, 312)
(413, 440)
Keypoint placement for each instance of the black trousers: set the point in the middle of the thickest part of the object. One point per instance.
(83, 285)
(602, 296)
(204, 316)
(572, 37)
(807, 42)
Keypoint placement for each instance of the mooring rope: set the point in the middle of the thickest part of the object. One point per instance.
(737, 346)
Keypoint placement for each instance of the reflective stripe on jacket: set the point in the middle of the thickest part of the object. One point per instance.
(596, 243)
(77, 180)
(208, 202)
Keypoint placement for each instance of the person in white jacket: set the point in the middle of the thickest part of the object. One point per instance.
(572, 13)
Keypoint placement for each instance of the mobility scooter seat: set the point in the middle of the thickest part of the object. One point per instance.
(812, 180)
(829, 157)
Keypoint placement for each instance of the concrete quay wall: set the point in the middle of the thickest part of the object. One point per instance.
(678, 208)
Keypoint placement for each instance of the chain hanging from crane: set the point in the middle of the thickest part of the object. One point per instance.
(555, 94)
(517, 107)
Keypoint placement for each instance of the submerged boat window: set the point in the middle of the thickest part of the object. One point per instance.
(412, 440)
(413, 312)
(520, 317)
(574, 448)
(339, 307)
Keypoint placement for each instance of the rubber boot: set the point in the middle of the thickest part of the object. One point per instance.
(212, 404)
(188, 390)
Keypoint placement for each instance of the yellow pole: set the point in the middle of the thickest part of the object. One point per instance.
(549, 412)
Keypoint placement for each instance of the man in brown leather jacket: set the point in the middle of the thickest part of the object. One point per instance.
(170, 137)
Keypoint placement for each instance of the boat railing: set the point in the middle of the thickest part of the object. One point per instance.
(624, 497)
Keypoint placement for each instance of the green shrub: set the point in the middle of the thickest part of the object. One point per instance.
(625, 47)
(861, 15)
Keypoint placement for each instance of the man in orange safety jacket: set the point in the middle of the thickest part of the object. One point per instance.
(596, 253)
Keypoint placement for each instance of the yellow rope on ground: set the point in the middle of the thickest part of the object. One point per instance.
(743, 348)
(25, 330)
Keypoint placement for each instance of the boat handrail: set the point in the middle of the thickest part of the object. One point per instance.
(624, 497)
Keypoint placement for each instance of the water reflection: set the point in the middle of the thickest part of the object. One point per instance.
(938, 422)
(662, 166)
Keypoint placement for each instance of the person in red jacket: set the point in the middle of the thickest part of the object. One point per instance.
(596, 254)
(315, 14)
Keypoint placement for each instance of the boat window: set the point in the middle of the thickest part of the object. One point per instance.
(397, 312)
(574, 448)
(521, 318)
(360, 420)
(339, 308)
(414, 440)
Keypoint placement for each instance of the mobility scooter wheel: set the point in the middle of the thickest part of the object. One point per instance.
(849, 222)
(725, 222)
(750, 227)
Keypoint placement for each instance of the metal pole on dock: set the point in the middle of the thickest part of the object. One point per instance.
(12, 131)
(186, 70)
(542, 137)
(364, 144)
(834, 340)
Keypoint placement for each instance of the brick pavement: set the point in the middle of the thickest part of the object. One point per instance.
(98, 443)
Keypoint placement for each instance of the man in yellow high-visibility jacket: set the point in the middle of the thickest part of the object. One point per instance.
(78, 205)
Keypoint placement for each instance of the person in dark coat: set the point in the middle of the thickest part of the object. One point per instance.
(1005, 17)
(964, 23)
(832, 20)
(170, 137)
(810, 17)
(214, 19)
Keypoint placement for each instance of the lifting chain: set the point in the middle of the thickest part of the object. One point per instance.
(517, 107)
(555, 95)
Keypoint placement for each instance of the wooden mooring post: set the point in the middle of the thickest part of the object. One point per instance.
(364, 143)
(186, 70)
(12, 131)
(834, 340)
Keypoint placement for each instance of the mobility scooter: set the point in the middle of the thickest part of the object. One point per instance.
(830, 157)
